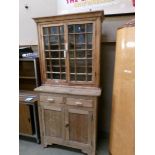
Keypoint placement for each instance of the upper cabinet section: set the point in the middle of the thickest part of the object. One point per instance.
(69, 47)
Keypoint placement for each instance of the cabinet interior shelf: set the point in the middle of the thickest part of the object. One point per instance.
(27, 77)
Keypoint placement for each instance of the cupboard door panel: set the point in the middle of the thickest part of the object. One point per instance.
(79, 126)
(53, 121)
(25, 125)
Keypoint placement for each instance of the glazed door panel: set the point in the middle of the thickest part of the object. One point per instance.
(81, 52)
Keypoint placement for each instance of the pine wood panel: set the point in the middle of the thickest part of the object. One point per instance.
(79, 125)
(79, 102)
(53, 121)
(72, 17)
(122, 124)
(52, 124)
(72, 90)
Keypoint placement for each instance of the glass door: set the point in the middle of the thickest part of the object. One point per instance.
(80, 43)
(53, 39)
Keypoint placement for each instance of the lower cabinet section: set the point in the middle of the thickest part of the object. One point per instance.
(68, 120)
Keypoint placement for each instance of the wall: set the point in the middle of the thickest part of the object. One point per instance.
(27, 27)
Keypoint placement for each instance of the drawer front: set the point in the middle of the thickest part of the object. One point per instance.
(79, 102)
(50, 98)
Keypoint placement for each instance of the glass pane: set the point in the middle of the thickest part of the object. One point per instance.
(56, 76)
(62, 54)
(47, 55)
(89, 62)
(54, 30)
(72, 69)
(48, 76)
(54, 47)
(89, 46)
(46, 38)
(72, 77)
(62, 29)
(56, 69)
(80, 46)
(71, 63)
(80, 54)
(63, 76)
(62, 69)
(71, 54)
(80, 38)
(89, 54)
(62, 47)
(71, 28)
(89, 69)
(80, 28)
(80, 62)
(89, 38)
(47, 62)
(61, 38)
(48, 68)
(62, 61)
(81, 78)
(55, 62)
(54, 39)
(89, 27)
(89, 78)
(45, 30)
(55, 54)
(71, 45)
(71, 41)
(80, 69)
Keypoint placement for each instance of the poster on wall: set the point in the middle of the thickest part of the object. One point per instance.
(109, 6)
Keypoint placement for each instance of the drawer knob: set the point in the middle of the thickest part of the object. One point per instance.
(50, 100)
(67, 125)
(78, 103)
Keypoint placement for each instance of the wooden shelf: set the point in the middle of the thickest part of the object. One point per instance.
(26, 77)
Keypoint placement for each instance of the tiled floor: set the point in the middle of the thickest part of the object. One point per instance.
(31, 148)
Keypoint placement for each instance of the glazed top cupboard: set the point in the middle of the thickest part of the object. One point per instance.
(69, 48)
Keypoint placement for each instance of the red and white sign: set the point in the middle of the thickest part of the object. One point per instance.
(109, 6)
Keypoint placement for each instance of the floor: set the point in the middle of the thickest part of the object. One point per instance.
(31, 148)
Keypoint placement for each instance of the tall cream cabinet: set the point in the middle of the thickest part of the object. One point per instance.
(123, 105)
(69, 48)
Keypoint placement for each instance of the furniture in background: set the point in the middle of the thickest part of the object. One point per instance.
(28, 115)
(69, 47)
(29, 74)
(29, 78)
(122, 141)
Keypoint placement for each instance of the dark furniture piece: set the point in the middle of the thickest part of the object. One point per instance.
(29, 74)
(28, 116)
(29, 78)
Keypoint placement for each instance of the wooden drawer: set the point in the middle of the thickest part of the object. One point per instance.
(50, 98)
(79, 102)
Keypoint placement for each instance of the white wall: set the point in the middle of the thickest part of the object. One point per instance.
(27, 27)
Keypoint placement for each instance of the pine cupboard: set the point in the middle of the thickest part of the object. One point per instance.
(69, 47)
